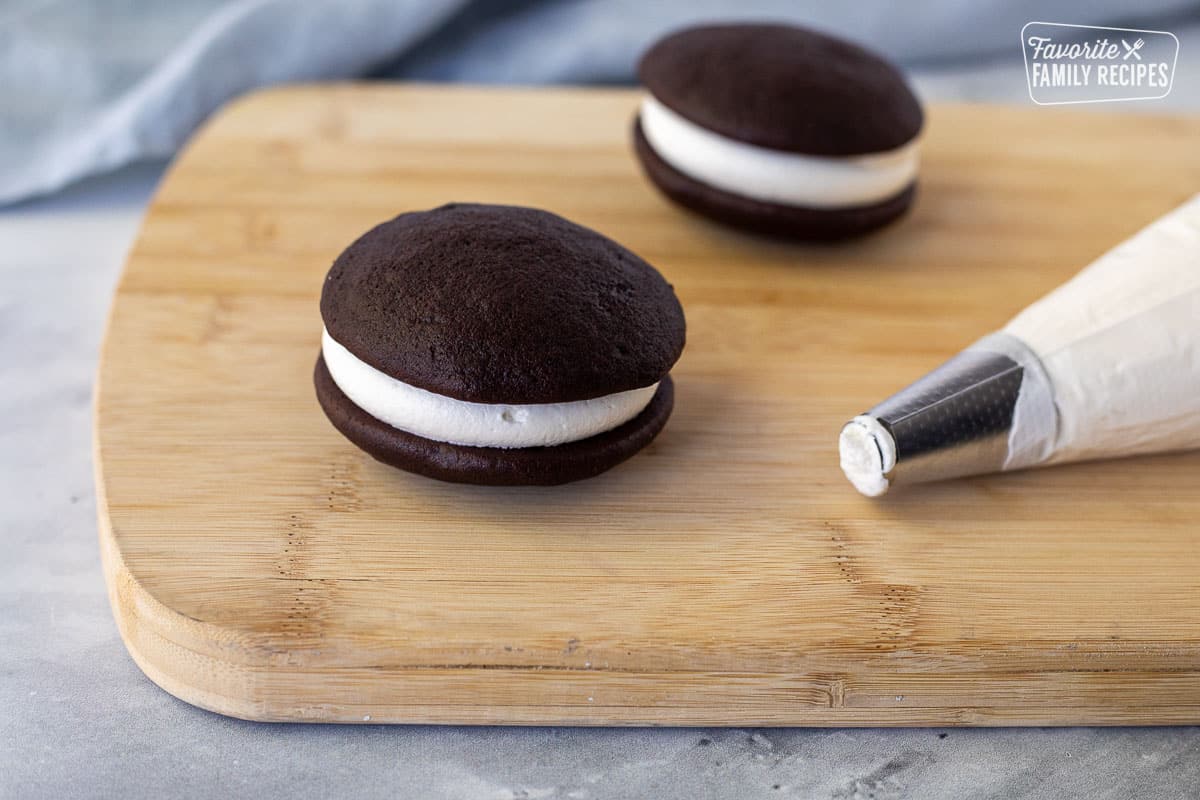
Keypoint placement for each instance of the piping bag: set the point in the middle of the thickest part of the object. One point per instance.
(1106, 365)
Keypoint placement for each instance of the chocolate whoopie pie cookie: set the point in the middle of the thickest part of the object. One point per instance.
(496, 345)
(778, 129)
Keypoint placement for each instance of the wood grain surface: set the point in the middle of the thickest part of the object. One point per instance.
(261, 566)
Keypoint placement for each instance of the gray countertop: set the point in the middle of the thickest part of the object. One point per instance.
(77, 718)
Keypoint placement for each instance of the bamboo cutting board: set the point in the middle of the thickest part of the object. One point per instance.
(261, 566)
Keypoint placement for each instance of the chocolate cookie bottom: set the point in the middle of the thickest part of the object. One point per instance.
(776, 219)
(492, 466)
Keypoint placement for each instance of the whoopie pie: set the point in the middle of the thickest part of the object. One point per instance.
(496, 345)
(778, 129)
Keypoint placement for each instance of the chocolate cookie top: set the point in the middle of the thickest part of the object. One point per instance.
(502, 304)
(783, 87)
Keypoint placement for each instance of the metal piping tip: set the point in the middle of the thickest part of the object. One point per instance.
(953, 422)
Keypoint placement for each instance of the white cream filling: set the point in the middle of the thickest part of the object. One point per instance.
(868, 454)
(444, 419)
(775, 176)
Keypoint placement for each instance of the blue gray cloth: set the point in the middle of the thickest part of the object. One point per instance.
(89, 85)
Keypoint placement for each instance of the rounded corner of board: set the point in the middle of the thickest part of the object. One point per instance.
(167, 645)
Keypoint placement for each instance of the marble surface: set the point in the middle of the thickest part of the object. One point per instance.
(77, 718)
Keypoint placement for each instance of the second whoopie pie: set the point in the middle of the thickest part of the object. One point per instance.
(496, 345)
(778, 129)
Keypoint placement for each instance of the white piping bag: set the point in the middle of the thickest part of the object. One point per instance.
(1106, 365)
